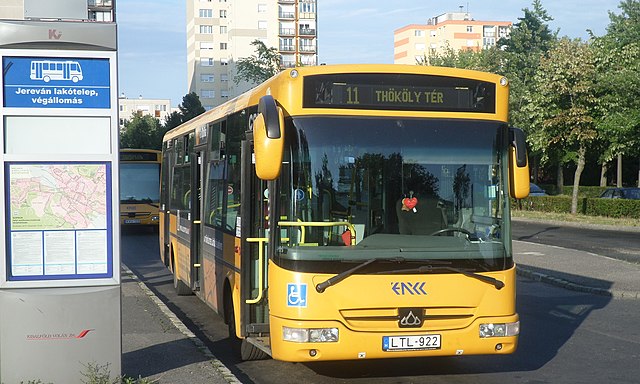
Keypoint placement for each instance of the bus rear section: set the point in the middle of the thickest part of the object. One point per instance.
(139, 187)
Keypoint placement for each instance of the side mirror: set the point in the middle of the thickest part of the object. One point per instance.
(268, 139)
(518, 165)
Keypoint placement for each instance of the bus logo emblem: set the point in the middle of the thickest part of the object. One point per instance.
(409, 317)
(297, 295)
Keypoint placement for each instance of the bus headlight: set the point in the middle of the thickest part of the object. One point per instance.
(499, 329)
(310, 335)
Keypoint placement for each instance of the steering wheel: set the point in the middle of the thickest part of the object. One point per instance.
(452, 229)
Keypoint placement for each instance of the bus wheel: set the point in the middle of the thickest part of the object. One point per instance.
(181, 288)
(242, 348)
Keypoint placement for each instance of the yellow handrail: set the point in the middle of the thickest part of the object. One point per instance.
(260, 241)
(322, 224)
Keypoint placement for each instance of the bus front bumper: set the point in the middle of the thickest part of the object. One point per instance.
(353, 345)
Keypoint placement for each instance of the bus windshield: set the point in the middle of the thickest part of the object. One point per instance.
(394, 188)
(139, 183)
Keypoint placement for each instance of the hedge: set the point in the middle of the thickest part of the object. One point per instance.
(591, 206)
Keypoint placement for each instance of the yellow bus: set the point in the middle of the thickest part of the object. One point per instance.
(350, 212)
(139, 187)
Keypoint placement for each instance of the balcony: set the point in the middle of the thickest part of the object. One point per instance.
(307, 32)
(287, 31)
(287, 15)
(287, 48)
(308, 48)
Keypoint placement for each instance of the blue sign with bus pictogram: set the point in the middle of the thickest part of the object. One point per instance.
(56, 82)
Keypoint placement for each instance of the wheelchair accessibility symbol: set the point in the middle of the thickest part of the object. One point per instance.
(296, 295)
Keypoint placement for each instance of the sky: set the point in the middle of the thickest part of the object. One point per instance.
(152, 33)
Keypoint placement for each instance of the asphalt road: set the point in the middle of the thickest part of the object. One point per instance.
(618, 243)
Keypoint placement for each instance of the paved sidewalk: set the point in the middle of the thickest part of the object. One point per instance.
(577, 270)
(156, 345)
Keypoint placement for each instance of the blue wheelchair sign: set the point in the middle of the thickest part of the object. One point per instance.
(296, 295)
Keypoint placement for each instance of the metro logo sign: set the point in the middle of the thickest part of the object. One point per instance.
(54, 34)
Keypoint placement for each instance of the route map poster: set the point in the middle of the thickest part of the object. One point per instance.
(59, 221)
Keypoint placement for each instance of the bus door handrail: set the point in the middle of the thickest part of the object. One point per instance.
(262, 240)
(304, 224)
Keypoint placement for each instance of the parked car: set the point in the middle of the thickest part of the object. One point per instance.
(534, 190)
(621, 193)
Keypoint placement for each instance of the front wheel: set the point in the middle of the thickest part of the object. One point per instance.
(241, 347)
(182, 289)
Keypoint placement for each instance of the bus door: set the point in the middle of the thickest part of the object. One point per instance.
(254, 300)
(196, 206)
(165, 174)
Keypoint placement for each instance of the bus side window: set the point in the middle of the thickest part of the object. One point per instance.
(214, 204)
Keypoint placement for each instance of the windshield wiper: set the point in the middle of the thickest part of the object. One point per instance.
(430, 268)
(320, 288)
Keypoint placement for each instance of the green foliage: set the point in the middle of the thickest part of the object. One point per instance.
(146, 132)
(143, 131)
(590, 206)
(259, 67)
(190, 107)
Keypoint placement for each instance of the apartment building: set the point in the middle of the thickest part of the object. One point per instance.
(454, 30)
(86, 10)
(219, 32)
(158, 108)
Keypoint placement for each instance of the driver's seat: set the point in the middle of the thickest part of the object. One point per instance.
(423, 219)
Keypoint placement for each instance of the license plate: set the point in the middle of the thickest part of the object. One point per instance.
(132, 221)
(410, 343)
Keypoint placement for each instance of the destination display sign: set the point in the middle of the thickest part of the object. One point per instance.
(55, 82)
(399, 92)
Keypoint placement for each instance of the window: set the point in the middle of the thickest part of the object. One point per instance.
(420, 47)
(262, 24)
(206, 29)
(206, 61)
(223, 29)
(223, 13)
(224, 61)
(205, 13)
(262, 8)
(223, 46)
(433, 33)
(307, 7)
(224, 94)
(208, 93)
(207, 78)
(224, 77)
(469, 28)
(206, 45)
(419, 33)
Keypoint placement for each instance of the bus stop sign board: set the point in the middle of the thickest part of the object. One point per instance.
(41, 82)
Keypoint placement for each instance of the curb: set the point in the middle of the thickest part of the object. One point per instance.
(562, 283)
(226, 373)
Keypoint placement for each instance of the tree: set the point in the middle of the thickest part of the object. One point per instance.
(190, 107)
(172, 120)
(563, 104)
(618, 69)
(143, 132)
(530, 39)
(259, 67)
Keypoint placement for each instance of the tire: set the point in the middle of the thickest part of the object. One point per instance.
(242, 348)
(182, 289)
